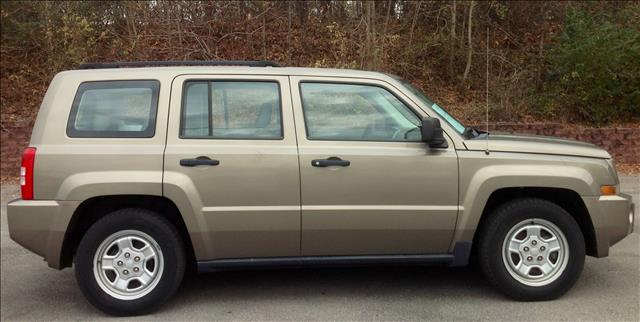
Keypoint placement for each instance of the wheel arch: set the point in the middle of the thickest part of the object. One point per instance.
(92, 209)
(567, 199)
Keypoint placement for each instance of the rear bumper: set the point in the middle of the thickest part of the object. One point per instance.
(612, 218)
(40, 226)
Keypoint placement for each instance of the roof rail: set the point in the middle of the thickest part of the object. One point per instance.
(250, 63)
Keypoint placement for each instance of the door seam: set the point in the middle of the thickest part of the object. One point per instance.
(295, 131)
(166, 136)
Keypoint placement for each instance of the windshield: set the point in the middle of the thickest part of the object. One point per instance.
(459, 127)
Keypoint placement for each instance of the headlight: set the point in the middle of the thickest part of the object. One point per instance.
(612, 170)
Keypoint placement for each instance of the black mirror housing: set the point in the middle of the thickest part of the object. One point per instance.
(432, 133)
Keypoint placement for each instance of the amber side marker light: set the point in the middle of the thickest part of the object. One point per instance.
(607, 190)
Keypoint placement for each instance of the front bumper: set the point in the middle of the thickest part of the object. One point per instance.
(613, 218)
(40, 226)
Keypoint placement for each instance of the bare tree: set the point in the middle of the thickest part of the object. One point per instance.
(264, 30)
(289, 13)
(368, 56)
(384, 30)
(373, 46)
(452, 38)
(413, 23)
(470, 51)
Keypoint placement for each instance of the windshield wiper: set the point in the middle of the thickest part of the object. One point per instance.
(472, 132)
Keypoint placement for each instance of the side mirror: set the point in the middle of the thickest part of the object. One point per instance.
(432, 133)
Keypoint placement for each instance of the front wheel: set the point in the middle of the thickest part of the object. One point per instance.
(129, 262)
(531, 249)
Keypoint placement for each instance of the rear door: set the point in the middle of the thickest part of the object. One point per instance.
(231, 149)
(369, 185)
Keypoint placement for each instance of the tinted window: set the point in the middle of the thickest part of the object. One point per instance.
(352, 112)
(114, 109)
(231, 110)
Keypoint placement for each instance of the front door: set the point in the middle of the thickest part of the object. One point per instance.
(368, 183)
(231, 149)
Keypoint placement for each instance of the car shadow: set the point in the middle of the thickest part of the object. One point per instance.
(312, 284)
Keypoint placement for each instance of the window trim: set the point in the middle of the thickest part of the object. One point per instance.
(304, 114)
(72, 132)
(183, 100)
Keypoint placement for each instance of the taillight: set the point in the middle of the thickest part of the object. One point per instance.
(26, 173)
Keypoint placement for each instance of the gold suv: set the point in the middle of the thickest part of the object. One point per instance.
(137, 171)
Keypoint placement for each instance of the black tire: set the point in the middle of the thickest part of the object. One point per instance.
(167, 238)
(490, 248)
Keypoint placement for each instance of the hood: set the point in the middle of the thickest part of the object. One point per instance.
(536, 144)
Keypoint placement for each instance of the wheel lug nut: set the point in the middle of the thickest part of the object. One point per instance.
(127, 255)
(125, 272)
(135, 269)
(526, 249)
(529, 258)
(532, 243)
(539, 258)
(137, 258)
(542, 248)
(120, 263)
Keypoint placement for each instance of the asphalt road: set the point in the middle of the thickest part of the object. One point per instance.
(609, 289)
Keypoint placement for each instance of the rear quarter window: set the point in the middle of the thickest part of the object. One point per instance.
(114, 109)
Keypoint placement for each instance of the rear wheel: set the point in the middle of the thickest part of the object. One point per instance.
(130, 262)
(531, 249)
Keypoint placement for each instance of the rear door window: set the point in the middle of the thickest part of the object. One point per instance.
(118, 109)
(249, 110)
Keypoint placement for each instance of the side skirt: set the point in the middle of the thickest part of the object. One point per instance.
(324, 261)
(459, 257)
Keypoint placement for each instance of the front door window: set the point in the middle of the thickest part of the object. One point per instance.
(352, 112)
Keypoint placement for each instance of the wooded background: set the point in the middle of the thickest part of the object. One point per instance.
(573, 62)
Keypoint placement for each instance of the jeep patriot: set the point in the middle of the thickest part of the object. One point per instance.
(136, 172)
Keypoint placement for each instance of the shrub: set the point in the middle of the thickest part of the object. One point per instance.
(594, 67)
